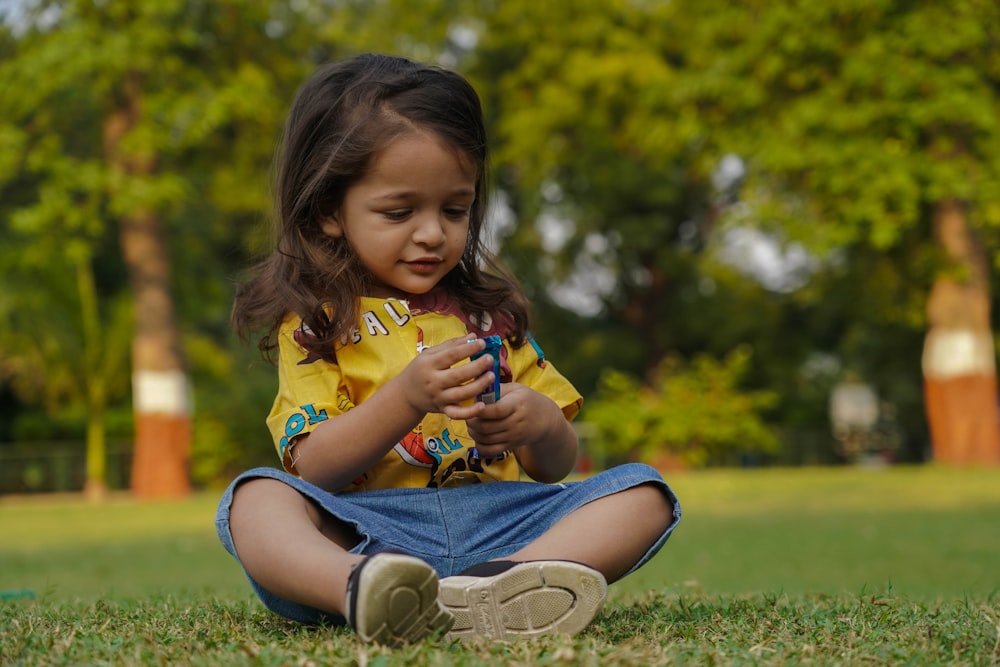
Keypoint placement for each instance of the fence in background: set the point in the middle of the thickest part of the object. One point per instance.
(57, 467)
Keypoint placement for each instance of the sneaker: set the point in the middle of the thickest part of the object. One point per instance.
(510, 600)
(392, 600)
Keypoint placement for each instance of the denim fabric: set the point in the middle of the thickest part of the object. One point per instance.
(451, 528)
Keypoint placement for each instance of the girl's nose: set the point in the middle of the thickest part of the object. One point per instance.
(429, 231)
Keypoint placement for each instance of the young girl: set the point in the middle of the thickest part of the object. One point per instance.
(400, 508)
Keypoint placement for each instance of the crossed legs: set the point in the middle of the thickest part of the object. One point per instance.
(299, 553)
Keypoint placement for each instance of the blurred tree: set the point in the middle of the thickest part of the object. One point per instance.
(865, 125)
(163, 118)
(70, 348)
(157, 116)
(878, 336)
(692, 414)
(610, 121)
(63, 342)
(615, 193)
(604, 173)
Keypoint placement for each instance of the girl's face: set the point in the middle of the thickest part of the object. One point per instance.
(408, 218)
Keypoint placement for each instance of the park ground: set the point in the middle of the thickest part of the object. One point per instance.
(898, 565)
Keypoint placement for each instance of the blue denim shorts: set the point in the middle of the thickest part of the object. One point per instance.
(451, 528)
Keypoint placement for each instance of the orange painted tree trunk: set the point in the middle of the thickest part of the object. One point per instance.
(160, 386)
(960, 381)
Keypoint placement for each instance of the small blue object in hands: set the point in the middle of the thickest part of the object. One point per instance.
(491, 395)
(493, 345)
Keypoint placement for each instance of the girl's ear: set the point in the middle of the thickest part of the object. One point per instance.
(331, 227)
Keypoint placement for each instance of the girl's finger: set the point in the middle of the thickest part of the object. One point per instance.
(464, 412)
(462, 373)
(455, 350)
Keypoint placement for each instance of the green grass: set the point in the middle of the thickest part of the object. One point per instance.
(816, 566)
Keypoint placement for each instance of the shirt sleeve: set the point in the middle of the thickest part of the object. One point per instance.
(310, 391)
(529, 367)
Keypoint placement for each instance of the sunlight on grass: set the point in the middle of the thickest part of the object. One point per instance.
(923, 532)
(66, 549)
(829, 490)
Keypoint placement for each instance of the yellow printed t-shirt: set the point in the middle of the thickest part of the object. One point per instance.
(438, 452)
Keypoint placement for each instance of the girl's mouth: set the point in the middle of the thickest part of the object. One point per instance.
(424, 265)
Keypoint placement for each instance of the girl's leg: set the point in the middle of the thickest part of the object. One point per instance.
(289, 547)
(300, 554)
(609, 534)
(551, 584)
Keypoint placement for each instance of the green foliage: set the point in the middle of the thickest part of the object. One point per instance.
(695, 412)
(586, 140)
(211, 83)
(65, 349)
(852, 116)
(233, 394)
(606, 117)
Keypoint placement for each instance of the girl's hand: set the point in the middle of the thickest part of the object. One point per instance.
(532, 426)
(440, 379)
(437, 381)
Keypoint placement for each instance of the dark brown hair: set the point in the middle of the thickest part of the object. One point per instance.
(341, 117)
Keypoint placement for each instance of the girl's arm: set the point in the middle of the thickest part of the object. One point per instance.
(531, 425)
(342, 448)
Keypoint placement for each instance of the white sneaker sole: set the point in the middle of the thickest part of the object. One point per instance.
(528, 600)
(397, 601)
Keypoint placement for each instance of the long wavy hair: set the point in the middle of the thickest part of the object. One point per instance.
(341, 117)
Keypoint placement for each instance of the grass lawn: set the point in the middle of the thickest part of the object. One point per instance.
(817, 566)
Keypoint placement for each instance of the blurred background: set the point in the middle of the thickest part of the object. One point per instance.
(755, 233)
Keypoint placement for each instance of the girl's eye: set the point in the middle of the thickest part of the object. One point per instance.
(457, 213)
(396, 215)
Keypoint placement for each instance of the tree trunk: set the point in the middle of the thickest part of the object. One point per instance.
(960, 382)
(95, 486)
(160, 387)
(160, 391)
(644, 311)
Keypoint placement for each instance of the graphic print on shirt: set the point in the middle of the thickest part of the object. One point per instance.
(414, 450)
(436, 453)
(397, 311)
(295, 425)
(302, 336)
